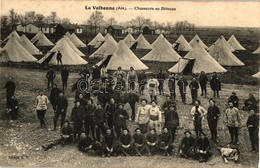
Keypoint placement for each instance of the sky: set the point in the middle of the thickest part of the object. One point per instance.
(201, 13)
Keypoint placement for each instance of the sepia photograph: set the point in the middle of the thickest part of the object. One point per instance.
(129, 83)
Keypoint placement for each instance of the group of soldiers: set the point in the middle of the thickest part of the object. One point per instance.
(103, 127)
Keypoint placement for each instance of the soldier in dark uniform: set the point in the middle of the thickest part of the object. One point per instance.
(234, 99)
(89, 118)
(86, 144)
(166, 142)
(203, 79)
(110, 112)
(120, 118)
(161, 78)
(172, 120)
(10, 88)
(64, 77)
(77, 117)
(54, 95)
(194, 86)
(99, 120)
(61, 105)
(125, 142)
(171, 85)
(12, 108)
(215, 84)
(109, 143)
(253, 129)
(59, 58)
(95, 73)
(182, 83)
(212, 117)
(138, 142)
(50, 76)
(142, 81)
(187, 145)
(202, 148)
(152, 140)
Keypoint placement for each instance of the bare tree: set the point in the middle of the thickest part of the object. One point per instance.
(169, 27)
(65, 21)
(95, 20)
(53, 18)
(39, 19)
(140, 22)
(111, 21)
(13, 19)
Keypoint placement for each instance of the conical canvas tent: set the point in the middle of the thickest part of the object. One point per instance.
(223, 55)
(257, 75)
(69, 56)
(162, 52)
(197, 41)
(232, 41)
(107, 48)
(67, 34)
(197, 60)
(257, 51)
(26, 43)
(13, 51)
(40, 40)
(224, 43)
(124, 58)
(183, 45)
(12, 34)
(129, 40)
(74, 47)
(141, 43)
(97, 39)
(76, 41)
(157, 41)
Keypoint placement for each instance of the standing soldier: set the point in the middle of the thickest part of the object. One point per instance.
(233, 121)
(59, 58)
(77, 117)
(64, 77)
(110, 112)
(119, 86)
(103, 74)
(152, 85)
(194, 86)
(215, 84)
(198, 113)
(161, 78)
(203, 79)
(89, 124)
(10, 88)
(50, 76)
(171, 85)
(131, 77)
(120, 118)
(54, 95)
(95, 73)
(61, 105)
(41, 108)
(99, 120)
(142, 80)
(213, 115)
(142, 116)
(182, 83)
(253, 129)
(172, 120)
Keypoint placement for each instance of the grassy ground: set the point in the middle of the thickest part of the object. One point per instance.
(23, 139)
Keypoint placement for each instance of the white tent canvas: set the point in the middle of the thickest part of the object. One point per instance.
(232, 41)
(197, 41)
(257, 75)
(142, 43)
(107, 48)
(41, 40)
(257, 51)
(26, 43)
(157, 41)
(12, 34)
(76, 41)
(69, 56)
(224, 42)
(162, 52)
(129, 40)
(223, 55)
(97, 39)
(74, 47)
(198, 59)
(182, 43)
(124, 58)
(13, 51)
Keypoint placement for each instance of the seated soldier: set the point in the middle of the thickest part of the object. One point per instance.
(202, 148)
(166, 142)
(250, 103)
(139, 142)
(108, 143)
(234, 99)
(186, 148)
(66, 137)
(229, 153)
(124, 142)
(87, 144)
(152, 140)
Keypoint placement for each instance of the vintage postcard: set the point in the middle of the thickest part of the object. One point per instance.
(129, 84)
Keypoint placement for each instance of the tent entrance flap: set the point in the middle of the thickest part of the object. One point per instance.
(105, 61)
(189, 66)
(134, 45)
(47, 60)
